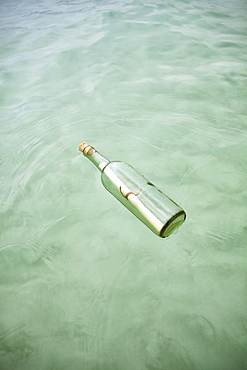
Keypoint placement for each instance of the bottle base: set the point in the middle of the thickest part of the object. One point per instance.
(172, 224)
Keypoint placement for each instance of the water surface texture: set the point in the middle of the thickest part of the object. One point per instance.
(160, 85)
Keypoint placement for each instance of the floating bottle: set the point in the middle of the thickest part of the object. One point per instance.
(157, 211)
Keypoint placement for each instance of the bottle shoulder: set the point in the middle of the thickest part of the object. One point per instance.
(119, 167)
(118, 164)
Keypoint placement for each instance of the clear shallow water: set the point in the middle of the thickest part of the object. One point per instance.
(162, 86)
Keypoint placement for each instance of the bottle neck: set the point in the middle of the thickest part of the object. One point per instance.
(96, 158)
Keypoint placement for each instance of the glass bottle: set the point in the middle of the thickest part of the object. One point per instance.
(135, 192)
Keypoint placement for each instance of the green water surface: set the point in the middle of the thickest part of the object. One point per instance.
(160, 85)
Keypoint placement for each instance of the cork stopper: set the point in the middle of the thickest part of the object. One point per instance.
(86, 149)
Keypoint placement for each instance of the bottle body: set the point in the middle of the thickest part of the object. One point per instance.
(157, 211)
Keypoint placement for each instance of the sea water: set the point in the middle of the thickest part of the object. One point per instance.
(160, 85)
